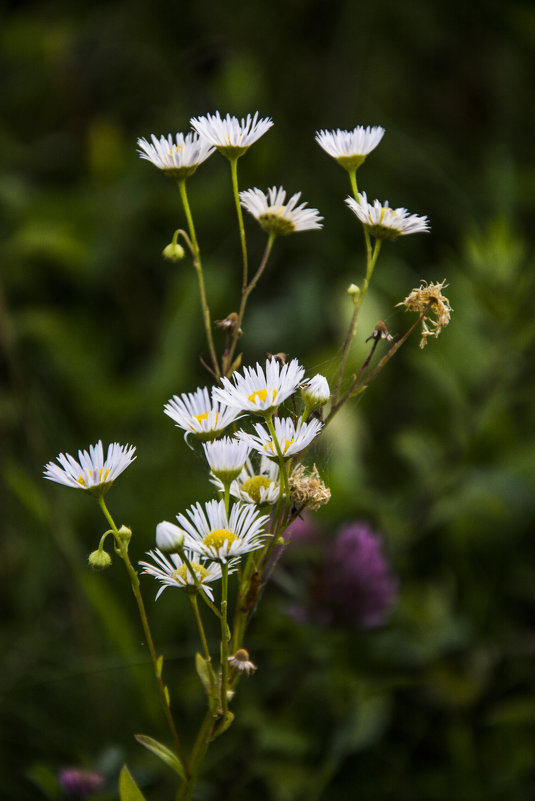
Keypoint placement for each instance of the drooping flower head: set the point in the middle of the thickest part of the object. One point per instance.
(260, 390)
(291, 438)
(230, 135)
(172, 571)
(226, 457)
(92, 472)
(382, 222)
(178, 157)
(196, 413)
(277, 217)
(350, 148)
(215, 536)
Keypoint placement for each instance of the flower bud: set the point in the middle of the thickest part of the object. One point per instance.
(353, 290)
(316, 392)
(125, 534)
(173, 252)
(169, 538)
(99, 560)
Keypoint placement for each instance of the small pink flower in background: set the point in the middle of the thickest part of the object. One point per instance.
(359, 588)
(80, 784)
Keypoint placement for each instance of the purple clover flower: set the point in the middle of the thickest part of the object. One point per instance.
(358, 586)
(80, 784)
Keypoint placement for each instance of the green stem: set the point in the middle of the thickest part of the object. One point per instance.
(371, 260)
(360, 382)
(234, 172)
(197, 755)
(122, 550)
(200, 277)
(246, 291)
(204, 642)
(224, 639)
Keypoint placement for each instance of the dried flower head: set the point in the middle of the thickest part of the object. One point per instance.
(240, 662)
(308, 490)
(438, 314)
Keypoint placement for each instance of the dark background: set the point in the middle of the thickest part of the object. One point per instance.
(97, 331)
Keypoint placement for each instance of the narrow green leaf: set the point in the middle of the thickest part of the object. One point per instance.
(159, 666)
(205, 673)
(222, 725)
(162, 752)
(128, 789)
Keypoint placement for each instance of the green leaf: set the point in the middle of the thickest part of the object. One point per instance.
(162, 752)
(128, 789)
(222, 725)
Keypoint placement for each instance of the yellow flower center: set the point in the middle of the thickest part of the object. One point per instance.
(185, 576)
(217, 538)
(254, 485)
(204, 416)
(260, 396)
(269, 446)
(176, 149)
(102, 476)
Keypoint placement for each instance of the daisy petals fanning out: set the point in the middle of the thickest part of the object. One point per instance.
(171, 571)
(178, 157)
(291, 438)
(226, 457)
(196, 413)
(383, 222)
(91, 472)
(230, 135)
(276, 217)
(258, 390)
(350, 148)
(215, 536)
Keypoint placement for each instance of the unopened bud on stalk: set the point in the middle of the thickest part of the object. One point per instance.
(124, 534)
(173, 252)
(99, 560)
(315, 392)
(353, 290)
(169, 538)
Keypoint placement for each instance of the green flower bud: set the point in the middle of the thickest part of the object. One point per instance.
(99, 560)
(173, 252)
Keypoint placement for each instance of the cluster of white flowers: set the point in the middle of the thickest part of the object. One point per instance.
(207, 533)
(189, 554)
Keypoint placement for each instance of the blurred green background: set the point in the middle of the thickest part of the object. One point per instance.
(97, 332)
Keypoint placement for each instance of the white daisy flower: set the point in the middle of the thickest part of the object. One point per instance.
(316, 392)
(229, 135)
(91, 472)
(260, 486)
(178, 158)
(226, 457)
(383, 222)
(259, 391)
(350, 148)
(291, 438)
(172, 571)
(215, 536)
(169, 538)
(196, 413)
(276, 217)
